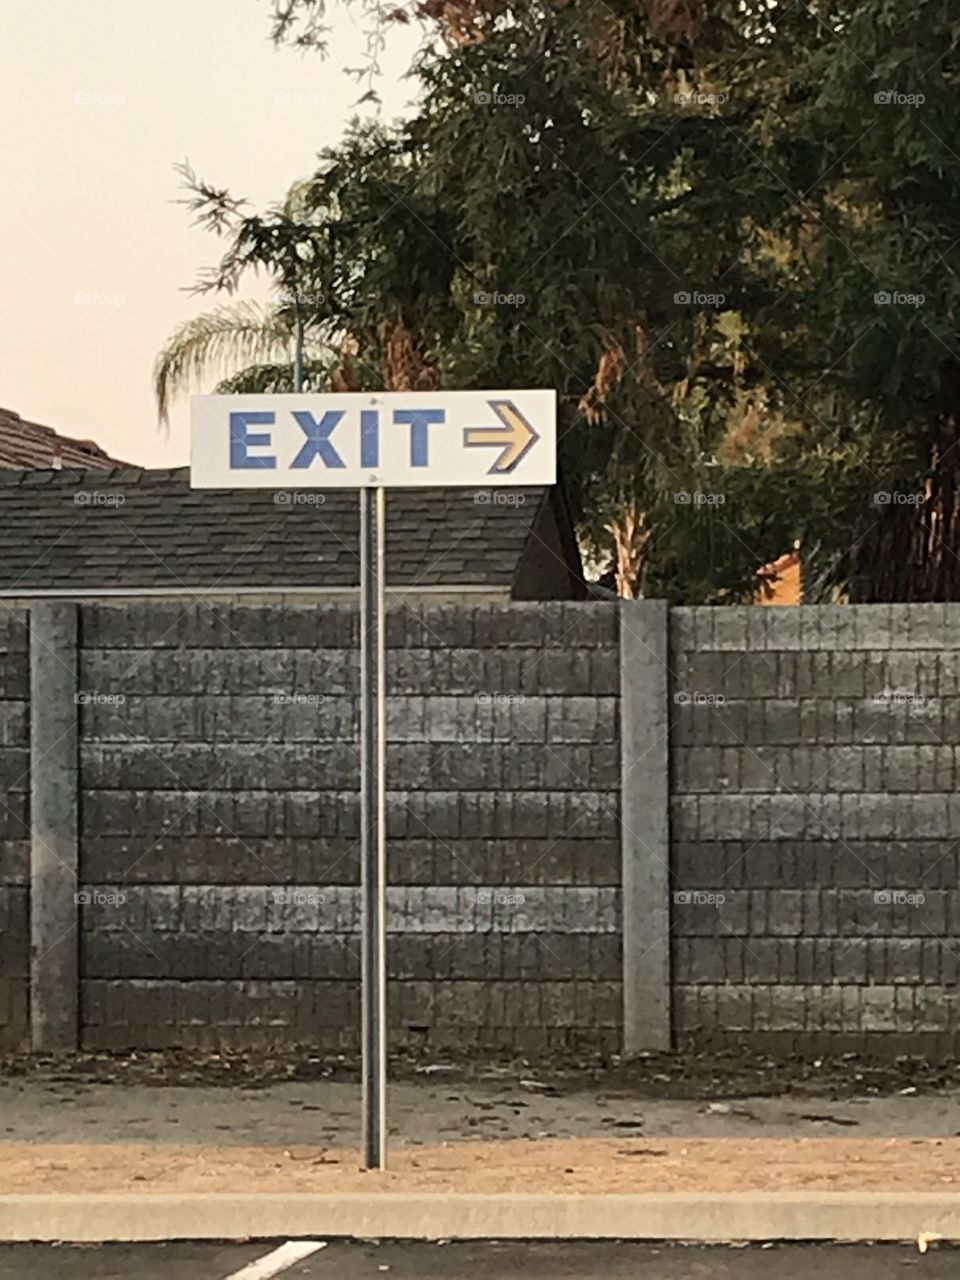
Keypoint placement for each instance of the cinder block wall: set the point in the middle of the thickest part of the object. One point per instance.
(14, 829)
(222, 894)
(804, 894)
(816, 826)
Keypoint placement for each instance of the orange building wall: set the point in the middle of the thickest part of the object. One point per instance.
(786, 587)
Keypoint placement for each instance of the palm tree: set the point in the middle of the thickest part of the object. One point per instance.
(277, 346)
(267, 342)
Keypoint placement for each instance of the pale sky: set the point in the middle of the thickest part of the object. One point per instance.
(98, 99)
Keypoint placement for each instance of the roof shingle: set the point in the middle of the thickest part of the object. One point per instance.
(27, 444)
(87, 531)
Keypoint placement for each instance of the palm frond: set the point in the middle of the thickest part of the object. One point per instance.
(232, 336)
(273, 379)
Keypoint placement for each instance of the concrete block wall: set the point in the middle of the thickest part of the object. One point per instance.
(815, 826)
(220, 896)
(14, 829)
(619, 826)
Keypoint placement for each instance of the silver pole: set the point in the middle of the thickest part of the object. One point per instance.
(298, 349)
(373, 826)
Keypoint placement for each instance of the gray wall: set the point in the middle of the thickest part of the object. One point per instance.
(610, 826)
(815, 825)
(223, 890)
(14, 828)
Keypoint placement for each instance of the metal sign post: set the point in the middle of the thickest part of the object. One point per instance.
(373, 826)
(395, 439)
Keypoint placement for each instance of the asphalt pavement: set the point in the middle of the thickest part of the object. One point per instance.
(483, 1260)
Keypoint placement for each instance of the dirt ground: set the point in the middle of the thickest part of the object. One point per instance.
(431, 1110)
(219, 1123)
(683, 1075)
(577, 1165)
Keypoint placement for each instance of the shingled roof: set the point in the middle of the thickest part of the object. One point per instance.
(27, 444)
(85, 532)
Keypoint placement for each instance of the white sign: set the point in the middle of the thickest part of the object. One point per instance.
(357, 440)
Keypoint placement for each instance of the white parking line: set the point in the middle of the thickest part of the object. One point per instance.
(278, 1260)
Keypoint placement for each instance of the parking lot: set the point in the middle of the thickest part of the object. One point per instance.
(481, 1260)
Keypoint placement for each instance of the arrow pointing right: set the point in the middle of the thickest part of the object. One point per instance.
(516, 437)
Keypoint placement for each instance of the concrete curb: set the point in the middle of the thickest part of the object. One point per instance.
(801, 1215)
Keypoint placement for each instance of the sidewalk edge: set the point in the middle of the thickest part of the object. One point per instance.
(809, 1215)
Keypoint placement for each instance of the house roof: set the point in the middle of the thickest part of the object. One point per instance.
(95, 531)
(27, 444)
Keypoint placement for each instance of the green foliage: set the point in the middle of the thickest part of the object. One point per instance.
(572, 174)
(272, 379)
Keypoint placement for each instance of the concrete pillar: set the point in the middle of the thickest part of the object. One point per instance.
(645, 824)
(54, 865)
